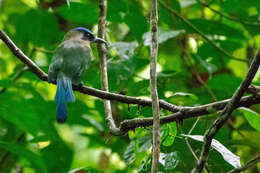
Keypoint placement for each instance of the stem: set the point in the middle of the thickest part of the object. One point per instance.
(153, 86)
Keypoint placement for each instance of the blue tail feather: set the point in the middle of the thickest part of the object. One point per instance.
(64, 93)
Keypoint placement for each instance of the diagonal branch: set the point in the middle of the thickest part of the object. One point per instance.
(103, 64)
(225, 114)
(248, 165)
(187, 22)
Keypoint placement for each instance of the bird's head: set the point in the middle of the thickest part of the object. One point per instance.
(84, 34)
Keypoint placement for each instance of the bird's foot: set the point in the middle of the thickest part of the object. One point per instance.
(80, 85)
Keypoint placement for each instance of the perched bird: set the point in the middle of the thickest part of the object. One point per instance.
(69, 61)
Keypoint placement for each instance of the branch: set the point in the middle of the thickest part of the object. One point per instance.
(83, 89)
(225, 114)
(181, 113)
(252, 89)
(229, 17)
(224, 52)
(153, 86)
(188, 112)
(249, 164)
(103, 65)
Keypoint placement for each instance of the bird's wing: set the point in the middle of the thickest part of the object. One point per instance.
(71, 58)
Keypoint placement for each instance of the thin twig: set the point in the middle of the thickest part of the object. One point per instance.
(248, 165)
(103, 64)
(187, 141)
(153, 86)
(225, 114)
(224, 52)
(181, 113)
(194, 71)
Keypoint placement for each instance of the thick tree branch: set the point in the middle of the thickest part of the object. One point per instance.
(180, 113)
(248, 165)
(153, 86)
(187, 22)
(103, 65)
(189, 112)
(225, 114)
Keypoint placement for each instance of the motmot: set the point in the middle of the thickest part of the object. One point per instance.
(70, 59)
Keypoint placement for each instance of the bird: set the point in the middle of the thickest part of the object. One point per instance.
(69, 61)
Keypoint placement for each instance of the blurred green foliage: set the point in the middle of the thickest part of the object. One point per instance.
(188, 70)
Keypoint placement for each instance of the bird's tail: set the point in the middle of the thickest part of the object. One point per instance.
(63, 94)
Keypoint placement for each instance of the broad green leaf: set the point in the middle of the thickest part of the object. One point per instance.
(135, 19)
(185, 4)
(58, 156)
(80, 12)
(145, 142)
(169, 160)
(145, 166)
(162, 36)
(129, 154)
(35, 159)
(96, 124)
(237, 6)
(168, 134)
(166, 74)
(181, 94)
(211, 27)
(230, 82)
(85, 170)
(227, 155)
(24, 117)
(211, 68)
(124, 49)
(252, 117)
(68, 3)
(32, 27)
(116, 11)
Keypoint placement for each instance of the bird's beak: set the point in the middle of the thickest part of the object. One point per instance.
(100, 40)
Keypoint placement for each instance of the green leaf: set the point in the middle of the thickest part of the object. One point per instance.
(227, 155)
(185, 4)
(166, 74)
(229, 81)
(96, 124)
(136, 21)
(145, 166)
(211, 68)
(129, 154)
(252, 117)
(181, 94)
(24, 117)
(31, 26)
(116, 10)
(145, 142)
(68, 3)
(162, 36)
(211, 27)
(85, 13)
(125, 50)
(169, 160)
(58, 156)
(35, 159)
(169, 133)
(85, 170)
